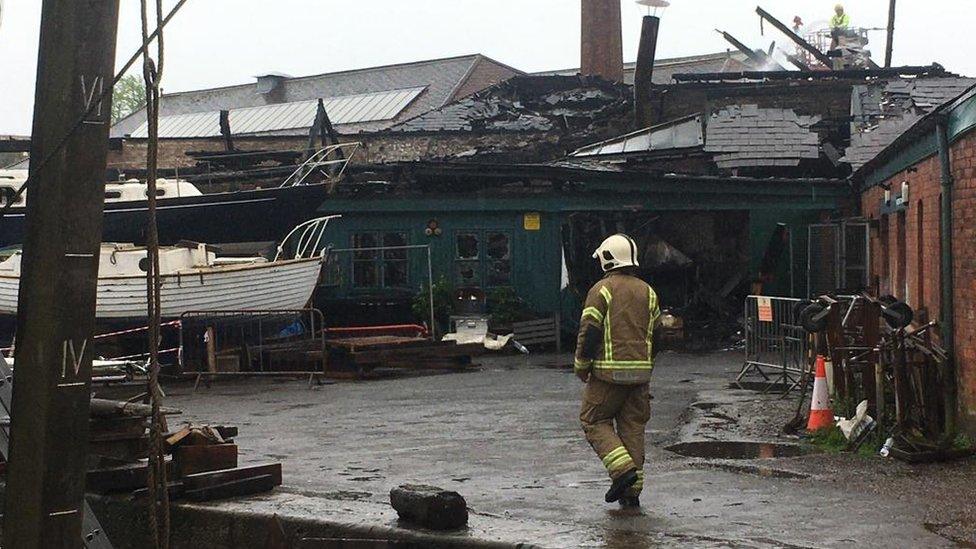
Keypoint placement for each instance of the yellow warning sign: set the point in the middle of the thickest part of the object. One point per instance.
(532, 221)
(765, 309)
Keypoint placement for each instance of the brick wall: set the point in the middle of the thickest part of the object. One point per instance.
(377, 148)
(485, 73)
(922, 257)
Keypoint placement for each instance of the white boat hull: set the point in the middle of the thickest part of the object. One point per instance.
(263, 286)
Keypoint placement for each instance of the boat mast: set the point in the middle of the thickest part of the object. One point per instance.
(51, 395)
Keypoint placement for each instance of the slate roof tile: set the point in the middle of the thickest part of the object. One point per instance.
(746, 135)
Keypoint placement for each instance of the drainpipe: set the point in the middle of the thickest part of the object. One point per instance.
(946, 276)
(644, 71)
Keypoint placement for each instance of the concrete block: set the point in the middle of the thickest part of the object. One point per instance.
(429, 506)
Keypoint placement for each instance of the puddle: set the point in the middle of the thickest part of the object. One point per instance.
(735, 450)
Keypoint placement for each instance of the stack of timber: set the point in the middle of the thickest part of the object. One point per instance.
(364, 355)
(204, 467)
(119, 430)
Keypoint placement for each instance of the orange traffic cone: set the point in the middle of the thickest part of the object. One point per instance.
(821, 416)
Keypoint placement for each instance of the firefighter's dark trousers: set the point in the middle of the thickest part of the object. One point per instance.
(613, 418)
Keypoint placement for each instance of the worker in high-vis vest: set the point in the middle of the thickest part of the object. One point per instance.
(614, 357)
(839, 25)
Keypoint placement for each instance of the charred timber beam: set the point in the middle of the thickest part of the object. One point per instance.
(749, 52)
(930, 70)
(889, 47)
(819, 55)
(644, 73)
(225, 130)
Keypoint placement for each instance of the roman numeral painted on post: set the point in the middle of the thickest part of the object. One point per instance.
(75, 358)
(91, 90)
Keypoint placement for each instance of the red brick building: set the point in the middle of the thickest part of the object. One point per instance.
(902, 191)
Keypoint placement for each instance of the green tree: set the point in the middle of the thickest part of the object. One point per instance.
(128, 96)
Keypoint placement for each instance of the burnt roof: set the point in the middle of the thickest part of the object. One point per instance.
(526, 104)
(881, 111)
(665, 69)
(747, 136)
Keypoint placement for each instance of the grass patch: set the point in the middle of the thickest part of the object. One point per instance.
(832, 441)
(962, 442)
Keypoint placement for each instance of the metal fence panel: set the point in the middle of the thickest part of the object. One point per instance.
(774, 341)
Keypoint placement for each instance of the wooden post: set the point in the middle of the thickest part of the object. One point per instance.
(208, 338)
(51, 396)
(891, 34)
(225, 131)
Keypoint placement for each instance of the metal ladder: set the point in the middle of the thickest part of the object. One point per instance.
(92, 534)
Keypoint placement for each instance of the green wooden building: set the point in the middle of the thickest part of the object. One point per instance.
(492, 226)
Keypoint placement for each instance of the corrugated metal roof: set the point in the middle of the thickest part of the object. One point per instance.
(679, 134)
(348, 109)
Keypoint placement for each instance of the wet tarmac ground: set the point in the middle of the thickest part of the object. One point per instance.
(507, 438)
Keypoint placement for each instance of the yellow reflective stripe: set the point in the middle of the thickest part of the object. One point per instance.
(614, 454)
(620, 463)
(582, 364)
(605, 292)
(593, 313)
(651, 303)
(624, 364)
(607, 337)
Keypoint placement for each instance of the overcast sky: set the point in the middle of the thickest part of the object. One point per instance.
(221, 42)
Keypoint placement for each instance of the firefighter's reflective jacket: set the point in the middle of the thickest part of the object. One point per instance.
(616, 330)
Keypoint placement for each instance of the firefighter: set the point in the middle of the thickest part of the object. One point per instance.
(614, 358)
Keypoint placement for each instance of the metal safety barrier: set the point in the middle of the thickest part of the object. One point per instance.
(252, 344)
(777, 347)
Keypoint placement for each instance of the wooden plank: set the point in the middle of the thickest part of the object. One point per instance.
(199, 459)
(199, 481)
(120, 479)
(236, 488)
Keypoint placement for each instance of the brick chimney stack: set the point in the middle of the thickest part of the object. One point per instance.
(602, 40)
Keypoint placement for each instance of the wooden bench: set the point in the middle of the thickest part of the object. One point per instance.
(536, 333)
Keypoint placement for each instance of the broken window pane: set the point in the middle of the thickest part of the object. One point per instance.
(499, 251)
(467, 246)
(467, 273)
(499, 246)
(500, 273)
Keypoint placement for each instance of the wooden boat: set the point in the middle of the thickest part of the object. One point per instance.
(194, 278)
(184, 213)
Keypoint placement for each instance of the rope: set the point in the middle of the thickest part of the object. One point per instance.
(152, 72)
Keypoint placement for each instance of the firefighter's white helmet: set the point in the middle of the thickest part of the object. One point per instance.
(617, 251)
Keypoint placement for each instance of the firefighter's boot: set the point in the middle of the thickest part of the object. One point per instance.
(620, 486)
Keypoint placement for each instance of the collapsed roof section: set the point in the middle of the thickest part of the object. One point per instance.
(564, 112)
(882, 110)
(747, 136)
(737, 136)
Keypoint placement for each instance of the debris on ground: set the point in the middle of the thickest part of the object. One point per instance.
(429, 506)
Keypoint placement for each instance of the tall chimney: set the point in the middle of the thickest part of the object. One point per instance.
(602, 40)
(644, 72)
